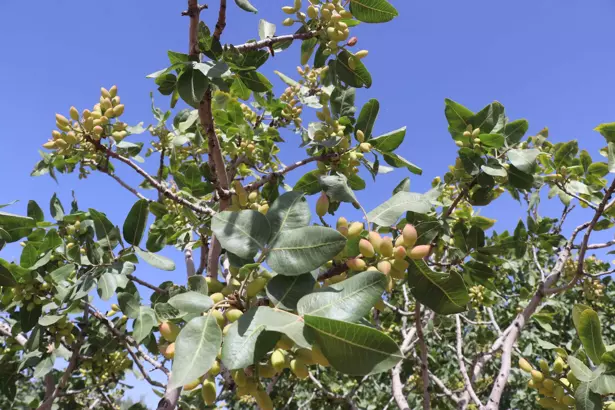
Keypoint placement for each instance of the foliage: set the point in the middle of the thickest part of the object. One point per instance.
(423, 303)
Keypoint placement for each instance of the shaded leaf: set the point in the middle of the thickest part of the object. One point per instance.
(243, 233)
(443, 293)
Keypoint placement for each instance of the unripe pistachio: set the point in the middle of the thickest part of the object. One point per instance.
(298, 367)
(60, 119)
(278, 360)
(192, 385)
(352, 63)
(475, 132)
(356, 264)
(115, 100)
(409, 235)
(263, 400)
(74, 113)
(220, 319)
(169, 351)
(548, 384)
(98, 130)
(365, 147)
(255, 286)
(419, 252)
(361, 54)
(312, 12)
(386, 247)
(215, 369)
(341, 223)
(232, 315)
(49, 144)
(366, 248)
(104, 93)
(71, 138)
(544, 366)
(217, 297)
(396, 273)
(118, 110)
(263, 209)
(568, 400)
(169, 331)
(208, 392)
(239, 376)
(360, 136)
(548, 403)
(56, 135)
(266, 370)
(384, 267)
(525, 365)
(319, 357)
(537, 376)
(459, 143)
(288, 22)
(306, 356)
(399, 253)
(355, 229)
(226, 329)
(288, 10)
(375, 239)
(322, 205)
(61, 143)
(559, 365)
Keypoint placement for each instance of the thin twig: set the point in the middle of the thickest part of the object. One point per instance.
(447, 392)
(271, 41)
(424, 363)
(146, 284)
(462, 365)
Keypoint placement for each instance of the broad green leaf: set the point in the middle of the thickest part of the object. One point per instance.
(577, 309)
(129, 303)
(246, 5)
(565, 152)
(443, 293)
(198, 283)
(388, 213)
(29, 318)
(397, 161)
(337, 189)
(246, 341)
(155, 260)
(285, 291)
(165, 312)
(29, 256)
(581, 372)
(514, 131)
(492, 140)
(520, 179)
(107, 284)
(239, 89)
(191, 302)
(367, 117)
(191, 85)
(590, 333)
(354, 77)
(458, 118)
(288, 211)
(43, 367)
(196, 348)
(603, 384)
(265, 29)
(342, 102)
(255, 81)
(49, 320)
(309, 183)
(488, 118)
(494, 170)
(349, 300)
(587, 399)
(611, 156)
(243, 233)
(598, 169)
(106, 233)
(302, 250)
(523, 159)
(6, 277)
(607, 130)
(62, 273)
(390, 141)
(354, 349)
(372, 11)
(16, 226)
(56, 208)
(35, 212)
(134, 225)
(144, 322)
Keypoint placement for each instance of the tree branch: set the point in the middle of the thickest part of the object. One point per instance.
(447, 392)
(462, 365)
(6, 330)
(146, 284)
(221, 24)
(424, 362)
(269, 42)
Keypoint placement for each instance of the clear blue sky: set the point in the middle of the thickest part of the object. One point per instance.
(552, 62)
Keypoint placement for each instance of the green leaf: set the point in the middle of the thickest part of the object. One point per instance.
(6, 277)
(198, 283)
(107, 284)
(144, 322)
(577, 309)
(255, 81)
(309, 183)
(458, 118)
(587, 399)
(191, 85)
(607, 131)
(243, 233)
(191, 302)
(565, 152)
(603, 384)
(16, 226)
(29, 318)
(590, 333)
(342, 102)
(43, 367)
(288, 211)
(581, 372)
(372, 11)
(155, 260)
(49, 320)
(514, 131)
(129, 303)
(523, 159)
(165, 312)
(488, 118)
(247, 341)
(354, 77)
(29, 256)
(349, 300)
(354, 349)
(285, 291)
(196, 348)
(367, 117)
(492, 140)
(134, 225)
(35, 212)
(337, 189)
(494, 170)
(611, 156)
(443, 293)
(397, 161)
(106, 233)
(239, 89)
(599, 169)
(388, 213)
(56, 208)
(389, 142)
(519, 179)
(246, 5)
(302, 250)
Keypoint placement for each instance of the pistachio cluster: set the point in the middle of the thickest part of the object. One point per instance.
(554, 386)
(100, 122)
(241, 199)
(104, 366)
(30, 294)
(593, 289)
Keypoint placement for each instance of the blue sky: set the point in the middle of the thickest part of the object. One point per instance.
(551, 62)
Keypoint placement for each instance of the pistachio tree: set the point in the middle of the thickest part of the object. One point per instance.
(284, 301)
